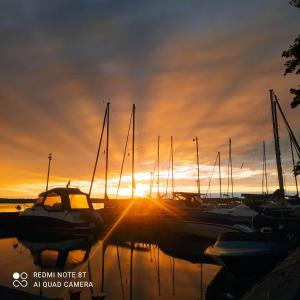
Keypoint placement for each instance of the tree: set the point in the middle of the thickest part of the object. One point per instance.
(293, 63)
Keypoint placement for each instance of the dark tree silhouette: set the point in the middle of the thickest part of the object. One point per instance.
(293, 63)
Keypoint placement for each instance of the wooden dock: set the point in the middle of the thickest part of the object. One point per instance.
(282, 283)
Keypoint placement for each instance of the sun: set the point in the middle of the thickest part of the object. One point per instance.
(141, 190)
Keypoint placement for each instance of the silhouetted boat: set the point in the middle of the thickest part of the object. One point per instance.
(236, 250)
(61, 210)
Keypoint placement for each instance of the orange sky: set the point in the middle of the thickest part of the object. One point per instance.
(193, 69)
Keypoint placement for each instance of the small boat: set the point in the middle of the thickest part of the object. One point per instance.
(61, 210)
(237, 250)
(205, 229)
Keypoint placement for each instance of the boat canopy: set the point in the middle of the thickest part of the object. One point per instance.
(58, 199)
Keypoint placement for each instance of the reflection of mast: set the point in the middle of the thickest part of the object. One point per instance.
(158, 196)
(172, 161)
(173, 275)
(201, 279)
(120, 272)
(276, 142)
(133, 133)
(106, 152)
(131, 257)
(102, 270)
(158, 271)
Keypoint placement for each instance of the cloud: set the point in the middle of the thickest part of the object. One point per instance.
(197, 68)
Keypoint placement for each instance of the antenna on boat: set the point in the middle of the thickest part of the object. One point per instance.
(198, 167)
(106, 152)
(264, 177)
(48, 172)
(276, 142)
(158, 196)
(133, 133)
(220, 178)
(98, 151)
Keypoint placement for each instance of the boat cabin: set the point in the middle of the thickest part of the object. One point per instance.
(64, 199)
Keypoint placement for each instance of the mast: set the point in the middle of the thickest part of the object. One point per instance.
(158, 196)
(220, 178)
(198, 168)
(133, 134)
(265, 177)
(231, 177)
(98, 151)
(172, 164)
(48, 172)
(276, 142)
(106, 152)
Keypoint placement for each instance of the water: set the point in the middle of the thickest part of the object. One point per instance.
(154, 273)
(137, 261)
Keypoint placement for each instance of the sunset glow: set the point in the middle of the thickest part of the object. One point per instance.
(187, 73)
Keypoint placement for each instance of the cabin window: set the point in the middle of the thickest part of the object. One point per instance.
(53, 202)
(78, 201)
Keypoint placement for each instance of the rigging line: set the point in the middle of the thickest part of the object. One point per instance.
(124, 154)
(293, 160)
(289, 129)
(208, 187)
(98, 151)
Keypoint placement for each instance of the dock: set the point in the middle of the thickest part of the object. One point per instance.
(283, 282)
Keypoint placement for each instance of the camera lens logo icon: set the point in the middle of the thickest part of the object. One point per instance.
(20, 279)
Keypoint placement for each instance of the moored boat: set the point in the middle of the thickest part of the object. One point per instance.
(61, 210)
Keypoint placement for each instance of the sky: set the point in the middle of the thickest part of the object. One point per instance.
(193, 68)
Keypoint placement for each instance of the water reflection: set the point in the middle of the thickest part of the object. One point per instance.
(129, 265)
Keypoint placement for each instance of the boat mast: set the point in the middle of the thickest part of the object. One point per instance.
(230, 165)
(133, 134)
(276, 142)
(48, 172)
(220, 178)
(98, 151)
(172, 161)
(265, 177)
(106, 152)
(158, 196)
(198, 168)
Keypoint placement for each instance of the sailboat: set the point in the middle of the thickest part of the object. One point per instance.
(66, 210)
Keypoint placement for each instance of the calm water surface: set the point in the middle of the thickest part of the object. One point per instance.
(135, 262)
